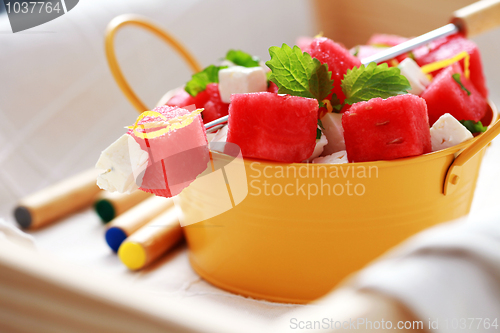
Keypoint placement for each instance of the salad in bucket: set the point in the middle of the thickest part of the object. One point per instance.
(311, 103)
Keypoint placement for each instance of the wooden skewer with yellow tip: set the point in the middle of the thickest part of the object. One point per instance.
(151, 241)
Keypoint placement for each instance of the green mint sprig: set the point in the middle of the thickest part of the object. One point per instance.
(456, 77)
(474, 127)
(210, 74)
(200, 80)
(240, 58)
(297, 73)
(366, 82)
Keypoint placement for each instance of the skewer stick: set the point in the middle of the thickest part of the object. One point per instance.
(54, 202)
(471, 20)
(109, 205)
(132, 220)
(151, 241)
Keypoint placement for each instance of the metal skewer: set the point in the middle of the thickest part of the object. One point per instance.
(216, 124)
(470, 20)
(411, 44)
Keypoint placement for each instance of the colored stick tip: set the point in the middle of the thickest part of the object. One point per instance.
(105, 210)
(115, 237)
(132, 255)
(23, 217)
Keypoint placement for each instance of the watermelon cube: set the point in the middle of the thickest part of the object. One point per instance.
(209, 99)
(449, 47)
(338, 58)
(214, 107)
(176, 157)
(303, 42)
(386, 129)
(273, 127)
(183, 99)
(272, 87)
(445, 95)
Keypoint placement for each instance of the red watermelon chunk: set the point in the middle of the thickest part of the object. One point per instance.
(182, 99)
(386, 129)
(214, 107)
(209, 99)
(304, 42)
(444, 95)
(449, 47)
(273, 127)
(338, 58)
(176, 157)
(272, 88)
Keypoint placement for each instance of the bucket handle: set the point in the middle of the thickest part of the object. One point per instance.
(130, 19)
(455, 171)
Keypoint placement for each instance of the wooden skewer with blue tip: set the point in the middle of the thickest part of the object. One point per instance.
(132, 220)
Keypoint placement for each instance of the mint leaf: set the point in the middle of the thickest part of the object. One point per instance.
(456, 77)
(318, 134)
(474, 127)
(365, 83)
(200, 80)
(240, 58)
(297, 73)
(335, 101)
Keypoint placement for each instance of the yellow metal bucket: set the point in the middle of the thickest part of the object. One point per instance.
(302, 228)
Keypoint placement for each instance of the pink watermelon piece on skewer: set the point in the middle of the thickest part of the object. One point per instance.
(177, 157)
(448, 47)
(273, 127)
(445, 95)
(386, 129)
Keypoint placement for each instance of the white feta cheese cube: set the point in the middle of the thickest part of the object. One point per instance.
(241, 80)
(447, 132)
(415, 76)
(123, 163)
(332, 128)
(339, 157)
(318, 149)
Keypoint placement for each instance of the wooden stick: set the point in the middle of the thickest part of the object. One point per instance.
(478, 17)
(109, 205)
(151, 241)
(132, 220)
(54, 202)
